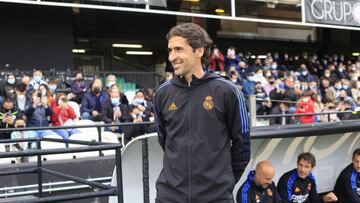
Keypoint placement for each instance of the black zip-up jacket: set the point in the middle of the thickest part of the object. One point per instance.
(347, 186)
(293, 189)
(203, 128)
(249, 192)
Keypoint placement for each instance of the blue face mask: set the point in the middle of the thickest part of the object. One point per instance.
(115, 101)
(52, 88)
(137, 102)
(11, 81)
(37, 79)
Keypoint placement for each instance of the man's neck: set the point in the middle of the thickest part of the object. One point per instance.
(199, 73)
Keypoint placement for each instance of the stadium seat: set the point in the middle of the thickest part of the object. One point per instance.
(76, 109)
(109, 137)
(91, 133)
(82, 137)
(54, 145)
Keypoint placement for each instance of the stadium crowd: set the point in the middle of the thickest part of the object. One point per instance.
(284, 84)
(38, 102)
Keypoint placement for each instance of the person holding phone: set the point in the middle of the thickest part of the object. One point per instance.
(63, 114)
(37, 115)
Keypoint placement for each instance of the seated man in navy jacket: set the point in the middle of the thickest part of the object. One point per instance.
(259, 186)
(347, 187)
(299, 185)
(92, 101)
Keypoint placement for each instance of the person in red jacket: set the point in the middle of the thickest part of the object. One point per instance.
(305, 105)
(63, 114)
(216, 61)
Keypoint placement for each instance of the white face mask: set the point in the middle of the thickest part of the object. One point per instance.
(306, 99)
(327, 75)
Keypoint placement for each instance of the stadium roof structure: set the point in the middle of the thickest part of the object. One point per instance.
(258, 11)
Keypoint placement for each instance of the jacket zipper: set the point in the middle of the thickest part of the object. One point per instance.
(189, 147)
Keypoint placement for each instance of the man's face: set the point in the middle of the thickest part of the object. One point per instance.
(182, 56)
(37, 73)
(264, 179)
(304, 168)
(356, 163)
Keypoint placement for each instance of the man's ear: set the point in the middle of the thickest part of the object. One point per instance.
(200, 52)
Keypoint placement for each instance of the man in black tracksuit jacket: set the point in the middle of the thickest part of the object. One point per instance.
(299, 185)
(259, 187)
(203, 128)
(347, 186)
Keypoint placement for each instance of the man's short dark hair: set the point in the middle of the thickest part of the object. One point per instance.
(195, 36)
(356, 152)
(307, 156)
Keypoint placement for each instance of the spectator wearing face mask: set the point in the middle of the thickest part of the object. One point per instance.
(259, 77)
(23, 99)
(270, 86)
(280, 93)
(92, 101)
(140, 102)
(234, 77)
(305, 105)
(113, 85)
(9, 87)
(304, 75)
(346, 86)
(63, 115)
(136, 117)
(46, 93)
(263, 103)
(231, 59)
(114, 112)
(8, 114)
(36, 81)
(37, 115)
(248, 85)
(78, 88)
(341, 72)
(19, 146)
(331, 76)
(53, 87)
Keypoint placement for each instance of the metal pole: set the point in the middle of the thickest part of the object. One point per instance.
(119, 175)
(252, 109)
(145, 167)
(39, 169)
(328, 117)
(100, 139)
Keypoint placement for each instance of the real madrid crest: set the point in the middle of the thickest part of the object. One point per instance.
(309, 186)
(208, 103)
(269, 192)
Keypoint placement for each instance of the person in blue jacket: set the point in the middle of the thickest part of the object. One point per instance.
(299, 185)
(347, 186)
(92, 101)
(202, 123)
(259, 187)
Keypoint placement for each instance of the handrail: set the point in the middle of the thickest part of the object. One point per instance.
(105, 190)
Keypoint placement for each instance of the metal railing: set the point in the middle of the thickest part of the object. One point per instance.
(105, 190)
(253, 115)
